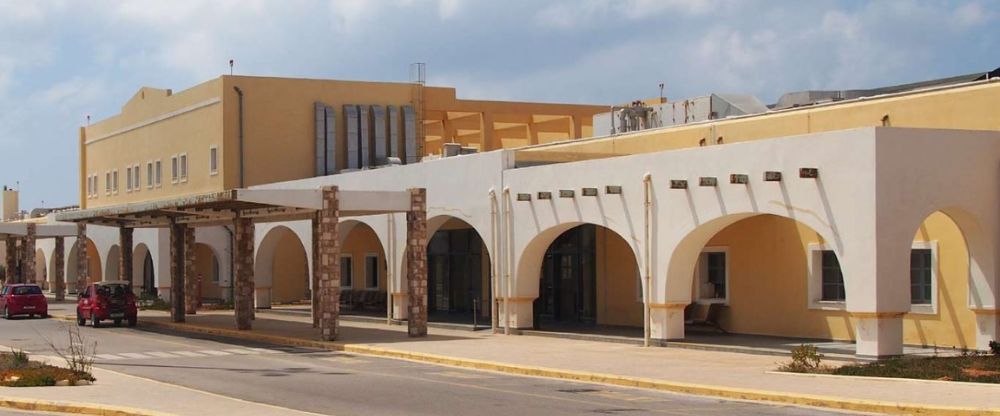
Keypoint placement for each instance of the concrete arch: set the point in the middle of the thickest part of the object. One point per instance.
(359, 239)
(281, 267)
(139, 269)
(208, 269)
(111, 268)
(51, 268)
(94, 265)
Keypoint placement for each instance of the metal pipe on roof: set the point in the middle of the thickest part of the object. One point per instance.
(242, 159)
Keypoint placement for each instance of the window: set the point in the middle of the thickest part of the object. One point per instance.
(371, 271)
(107, 183)
(137, 181)
(173, 169)
(833, 278)
(114, 181)
(149, 174)
(159, 173)
(213, 160)
(184, 167)
(215, 270)
(346, 270)
(128, 179)
(922, 276)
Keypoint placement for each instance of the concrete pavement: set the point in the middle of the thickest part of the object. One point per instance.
(210, 375)
(724, 374)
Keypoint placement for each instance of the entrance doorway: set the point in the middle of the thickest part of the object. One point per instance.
(567, 291)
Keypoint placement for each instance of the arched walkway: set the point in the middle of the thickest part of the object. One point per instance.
(281, 269)
(143, 272)
(363, 269)
(111, 268)
(458, 272)
(94, 265)
(579, 277)
(207, 270)
(41, 266)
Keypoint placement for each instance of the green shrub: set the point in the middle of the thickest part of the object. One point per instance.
(805, 359)
(18, 358)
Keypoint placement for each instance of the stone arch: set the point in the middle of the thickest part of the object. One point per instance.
(41, 266)
(281, 268)
(616, 283)
(143, 269)
(111, 268)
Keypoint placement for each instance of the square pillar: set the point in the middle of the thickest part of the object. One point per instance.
(125, 260)
(28, 254)
(177, 271)
(521, 316)
(399, 306)
(191, 279)
(243, 271)
(82, 258)
(329, 264)
(10, 259)
(878, 334)
(59, 254)
(314, 282)
(666, 321)
(416, 262)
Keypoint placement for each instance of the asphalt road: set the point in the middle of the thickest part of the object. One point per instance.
(344, 384)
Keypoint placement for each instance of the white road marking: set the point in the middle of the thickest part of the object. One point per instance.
(109, 357)
(133, 355)
(214, 352)
(188, 353)
(159, 354)
(239, 351)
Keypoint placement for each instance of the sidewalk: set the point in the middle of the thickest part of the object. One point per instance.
(121, 394)
(715, 373)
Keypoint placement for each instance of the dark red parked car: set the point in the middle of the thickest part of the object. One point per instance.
(104, 301)
(23, 299)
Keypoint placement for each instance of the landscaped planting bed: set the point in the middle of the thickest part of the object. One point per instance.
(978, 368)
(17, 370)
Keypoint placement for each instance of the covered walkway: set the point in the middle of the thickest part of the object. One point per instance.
(243, 208)
(20, 263)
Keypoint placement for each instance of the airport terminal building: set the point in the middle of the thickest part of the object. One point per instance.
(859, 215)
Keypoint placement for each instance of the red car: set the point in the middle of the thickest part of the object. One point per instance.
(23, 299)
(107, 300)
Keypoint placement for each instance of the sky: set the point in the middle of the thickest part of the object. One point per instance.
(62, 60)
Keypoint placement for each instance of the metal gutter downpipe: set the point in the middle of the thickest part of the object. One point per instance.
(647, 185)
(506, 267)
(390, 267)
(494, 265)
(242, 160)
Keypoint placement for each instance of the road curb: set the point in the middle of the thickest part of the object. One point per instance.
(856, 405)
(34, 405)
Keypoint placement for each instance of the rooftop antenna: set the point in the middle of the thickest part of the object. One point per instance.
(418, 73)
(661, 92)
(231, 67)
(88, 119)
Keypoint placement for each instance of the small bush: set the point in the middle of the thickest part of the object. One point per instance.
(18, 358)
(805, 359)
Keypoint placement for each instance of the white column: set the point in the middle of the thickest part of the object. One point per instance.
(879, 335)
(521, 313)
(667, 321)
(987, 328)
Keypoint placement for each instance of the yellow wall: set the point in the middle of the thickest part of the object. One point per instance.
(768, 284)
(618, 300)
(289, 272)
(360, 242)
(968, 107)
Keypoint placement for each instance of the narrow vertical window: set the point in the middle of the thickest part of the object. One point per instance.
(173, 169)
(371, 271)
(107, 183)
(346, 270)
(149, 174)
(114, 181)
(137, 181)
(921, 277)
(213, 160)
(128, 179)
(833, 278)
(159, 173)
(184, 167)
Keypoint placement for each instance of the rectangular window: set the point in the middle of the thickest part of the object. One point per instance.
(371, 271)
(213, 160)
(921, 277)
(149, 174)
(833, 278)
(712, 274)
(107, 183)
(184, 167)
(128, 179)
(346, 270)
(173, 169)
(89, 188)
(137, 181)
(159, 173)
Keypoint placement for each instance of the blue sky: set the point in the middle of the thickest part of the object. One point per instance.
(61, 60)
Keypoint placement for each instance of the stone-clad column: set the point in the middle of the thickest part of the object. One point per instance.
(10, 257)
(82, 258)
(59, 255)
(243, 271)
(314, 284)
(329, 265)
(125, 260)
(28, 254)
(416, 262)
(177, 269)
(190, 274)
